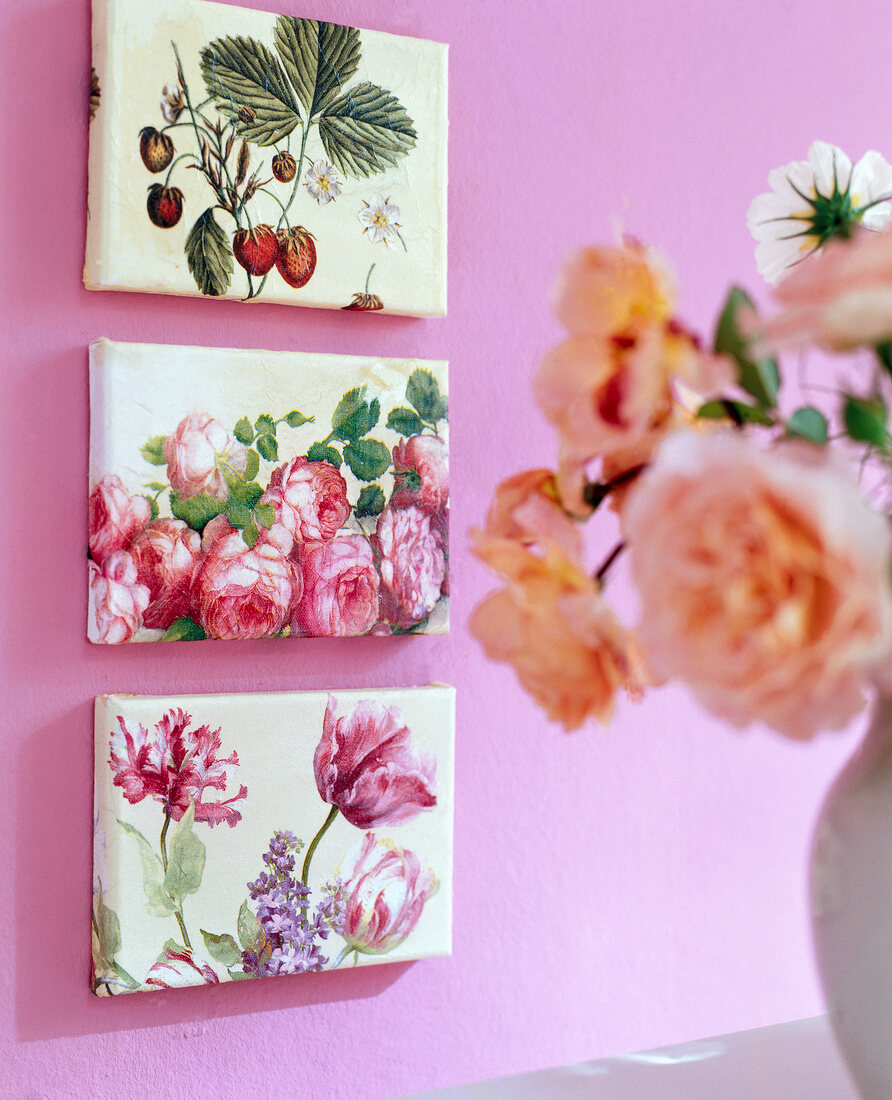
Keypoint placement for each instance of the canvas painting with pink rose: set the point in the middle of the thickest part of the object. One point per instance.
(248, 494)
(247, 836)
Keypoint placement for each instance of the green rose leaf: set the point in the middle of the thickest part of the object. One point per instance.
(865, 420)
(248, 85)
(808, 423)
(265, 425)
(222, 949)
(197, 511)
(155, 486)
(186, 856)
(365, 131)
(265, 515)
(153, 508)
(734, 410)
(244, 431)
(250, 533)
(250, 930)
(246, 493)
(239, 515)
(209, 255)
(158, 902)
(370, 502)
(294, 419)
(268, 447)
(405, 421)
(759, 377)
(320, 453)
(423, 394)
(253, 465)
(318, 57)
(184, 630)
(355, 417)
(153, 451)
(367, 458)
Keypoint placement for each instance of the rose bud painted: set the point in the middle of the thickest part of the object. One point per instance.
(366, 765)
(421, 472)
(256, 249)
(155, 148)
(284, 167)
(177, 967)
(165, 206)
(296, 261)
(115, 517)
(166, 553)
(386, 891)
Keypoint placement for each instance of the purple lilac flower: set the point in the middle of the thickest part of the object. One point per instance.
(283, 909)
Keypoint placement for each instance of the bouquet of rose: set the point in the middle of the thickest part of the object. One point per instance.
(761, 564)
(237, 557)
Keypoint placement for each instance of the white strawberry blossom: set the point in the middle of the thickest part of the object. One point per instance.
(379, 218)
(321, 180)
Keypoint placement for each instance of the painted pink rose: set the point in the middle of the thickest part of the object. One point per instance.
(245, 592)
(764, 579)
(166, 553)
(340, 597)
(310, 499)
(177, 967)
(198, 451)
(116, 517)
(421, 472)
(117, 601)
(366, 765)
(386, 891)
(176, 765)
(411, 543)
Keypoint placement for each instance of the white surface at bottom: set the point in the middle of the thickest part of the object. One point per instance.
(795, 1061)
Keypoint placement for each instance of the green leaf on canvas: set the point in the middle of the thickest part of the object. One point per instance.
(366, 130)
(808, 423)
(155, 486)
(367, 458)
(246, 81)
(153, 451)
(405, 421)
(238, 514)
(318, 57)
(196, 511)
(294, 419)
(186, 857)
(318, 452)
(265, 515)
(158, 902)
(108, 930)
(370, 502)
(354, 417)
(253, 465)
(268, 447)
(222, 949)
(209, 255)
(249, 928)
(244, 431)
(423, 394)
(250, 533)
(184, 629)
(759, 377)
(265, 425)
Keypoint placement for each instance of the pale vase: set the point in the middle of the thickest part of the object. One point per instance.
(851, 907)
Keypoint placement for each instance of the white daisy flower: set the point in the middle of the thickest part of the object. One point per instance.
(172, 103)
(321, 180)
(379, 218)
(813, 200)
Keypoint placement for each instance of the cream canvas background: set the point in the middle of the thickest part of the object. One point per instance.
(142, 390)
(133, 56)
(275, 736)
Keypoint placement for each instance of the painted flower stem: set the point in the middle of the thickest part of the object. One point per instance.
(186, 941)
(343, 955)
(314, 843)
(368, 277)
(164, 829)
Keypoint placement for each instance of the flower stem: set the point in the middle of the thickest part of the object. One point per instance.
(186, 941)
(601, 575)
(164, 829)
(314, 843)
(368, 277)
(343, 955)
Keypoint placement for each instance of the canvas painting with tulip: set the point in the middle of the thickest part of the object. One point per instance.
(246, 836)
(237, 495)
(260, 157)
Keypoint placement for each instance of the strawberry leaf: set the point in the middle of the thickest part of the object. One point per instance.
(365, 131)
(209, 255)
(318, 57)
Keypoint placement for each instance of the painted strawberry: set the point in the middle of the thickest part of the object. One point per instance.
(155, 148)
(297, 255)
(284, 167)
(165, 205)
(365, 303)
(256, 249)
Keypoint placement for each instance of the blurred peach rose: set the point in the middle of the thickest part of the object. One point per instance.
(550, 622)
(116, 600)
(841, 298)
(340, 597)
(527, 509)
(310, 499)
(166, 553)
(115, 517)
(421, 472)
(763, 578)
(194, 452)
(245, 592)
(603, 291)
(612, 396)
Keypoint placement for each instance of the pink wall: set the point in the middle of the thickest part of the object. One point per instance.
(615, 889)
